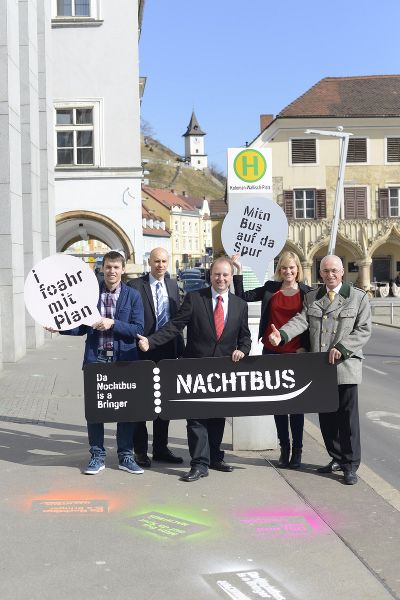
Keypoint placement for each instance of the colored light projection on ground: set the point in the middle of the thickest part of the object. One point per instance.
(281, 522)
(83, 501)
(171, 523)
(246, 585)
(70, 506)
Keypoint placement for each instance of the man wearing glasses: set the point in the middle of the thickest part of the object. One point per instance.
(338, 317)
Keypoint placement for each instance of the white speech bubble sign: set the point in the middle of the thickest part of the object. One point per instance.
(61, 291)
(255, 227)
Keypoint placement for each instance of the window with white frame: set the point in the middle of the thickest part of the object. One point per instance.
(75, 136)
(73, 8)
(394, 202)
(64, 12)
(304, 204)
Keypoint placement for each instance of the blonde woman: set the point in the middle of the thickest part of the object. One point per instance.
(281, 300)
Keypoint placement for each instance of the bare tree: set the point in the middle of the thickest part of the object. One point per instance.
(146, 128)
(217, 173)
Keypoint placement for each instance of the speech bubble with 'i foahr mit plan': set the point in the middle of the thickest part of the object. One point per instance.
(256, 228)
(61, 292)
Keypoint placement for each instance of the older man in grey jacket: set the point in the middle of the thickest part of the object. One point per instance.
(338, 317)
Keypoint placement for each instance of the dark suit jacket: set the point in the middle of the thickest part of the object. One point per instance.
(196, 313)
(265, 293)
(173, 348)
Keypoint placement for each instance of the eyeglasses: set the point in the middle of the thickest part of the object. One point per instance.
(333, 271)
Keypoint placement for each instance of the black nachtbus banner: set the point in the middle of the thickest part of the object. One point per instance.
(210, 387)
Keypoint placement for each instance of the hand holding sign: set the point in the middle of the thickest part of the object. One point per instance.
(61, 292)
(256, 229)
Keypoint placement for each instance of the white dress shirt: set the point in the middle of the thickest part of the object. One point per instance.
(225, 301)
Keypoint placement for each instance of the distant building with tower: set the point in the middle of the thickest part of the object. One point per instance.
(194, 144)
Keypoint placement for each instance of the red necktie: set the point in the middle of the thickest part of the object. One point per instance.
(219, 317)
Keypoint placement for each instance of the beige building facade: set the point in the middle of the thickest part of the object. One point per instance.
(189, 225)
(305, 173)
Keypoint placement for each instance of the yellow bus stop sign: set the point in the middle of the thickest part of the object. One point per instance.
(250, 165)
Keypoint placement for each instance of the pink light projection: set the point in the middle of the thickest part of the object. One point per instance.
(283, 522)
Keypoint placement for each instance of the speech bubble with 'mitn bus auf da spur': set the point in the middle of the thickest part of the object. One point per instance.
(256, 228)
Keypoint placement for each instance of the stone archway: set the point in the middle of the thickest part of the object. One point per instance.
(96, 226)
(386, 248)
(350, 250)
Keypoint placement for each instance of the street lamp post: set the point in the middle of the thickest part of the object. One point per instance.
(344, 144)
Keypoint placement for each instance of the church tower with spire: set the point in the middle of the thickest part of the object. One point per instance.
(194, 144)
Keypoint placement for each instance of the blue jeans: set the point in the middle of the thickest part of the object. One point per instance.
(124, 439)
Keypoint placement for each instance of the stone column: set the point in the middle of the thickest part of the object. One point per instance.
(364, 277)
(30, 151)
(307, 272)
(11, 222)
(46, 129)
(259, 432)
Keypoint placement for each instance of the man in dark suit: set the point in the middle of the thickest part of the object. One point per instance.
(160, 298)
(216, 322)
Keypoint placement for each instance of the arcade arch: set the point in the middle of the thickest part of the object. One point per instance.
(77, 225)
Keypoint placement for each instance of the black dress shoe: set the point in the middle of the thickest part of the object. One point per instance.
(331, 468)
(194, 475)
(350, 477)
(168, 456)
(220, 465)
(143, 460)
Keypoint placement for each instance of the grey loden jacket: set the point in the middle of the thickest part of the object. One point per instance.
(345, 324)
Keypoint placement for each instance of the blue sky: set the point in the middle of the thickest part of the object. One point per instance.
(232, 60)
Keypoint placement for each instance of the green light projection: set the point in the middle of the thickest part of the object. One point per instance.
(172, 522)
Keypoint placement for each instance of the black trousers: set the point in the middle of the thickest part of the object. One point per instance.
(204, 439)
(341, 429)
(141, 437)
(282, 423)
(296, 427)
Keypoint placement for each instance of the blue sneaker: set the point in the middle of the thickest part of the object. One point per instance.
(128, 464)
(96, 464)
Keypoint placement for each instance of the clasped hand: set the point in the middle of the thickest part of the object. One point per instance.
(143, 344)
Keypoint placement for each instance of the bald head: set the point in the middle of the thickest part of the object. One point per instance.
(158, 262)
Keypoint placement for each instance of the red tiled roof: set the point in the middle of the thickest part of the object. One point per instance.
(218, 207)
(156, 232)
(364, 96)
(166, 198)
(149, 214)
(192, 200)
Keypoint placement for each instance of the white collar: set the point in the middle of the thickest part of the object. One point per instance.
(336, 289)
(154, 281)
(215, 294)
